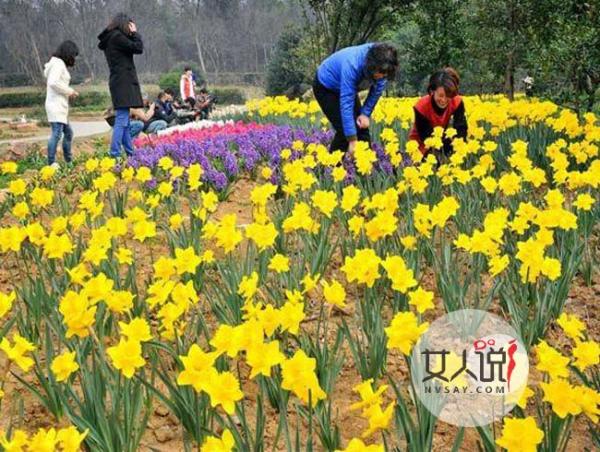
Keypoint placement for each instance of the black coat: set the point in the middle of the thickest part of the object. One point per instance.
(119, 49)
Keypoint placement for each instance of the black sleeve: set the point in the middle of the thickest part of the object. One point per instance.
(460, 121)
(132, 43)
(447, 146)
(423, 126)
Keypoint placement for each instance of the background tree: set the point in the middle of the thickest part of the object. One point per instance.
(343, 23)
(492, 44)
(222, 36)
(566, 63)
(501, 36)
(429, 34)
(286, 67)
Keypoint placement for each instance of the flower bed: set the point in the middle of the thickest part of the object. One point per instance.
(222, 150)
(292, 315)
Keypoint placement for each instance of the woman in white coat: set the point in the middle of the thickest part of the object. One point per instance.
(57, 99)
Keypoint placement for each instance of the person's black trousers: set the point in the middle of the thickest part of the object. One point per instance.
(329, 101)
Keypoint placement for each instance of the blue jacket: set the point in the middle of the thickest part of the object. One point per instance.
(343, 71)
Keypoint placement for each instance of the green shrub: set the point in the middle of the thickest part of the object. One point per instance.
(227, 96)
(22, 99)
(171, 79)
(286, 68)
(38, 98)
(253, 78)
(92, 98)
(14, 79)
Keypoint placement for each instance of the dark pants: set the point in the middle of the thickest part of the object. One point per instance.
(329, 101)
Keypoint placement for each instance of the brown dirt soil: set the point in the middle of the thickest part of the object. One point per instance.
(164, 432)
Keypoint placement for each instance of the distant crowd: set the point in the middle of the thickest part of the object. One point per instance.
(131, 113)
(169, 110)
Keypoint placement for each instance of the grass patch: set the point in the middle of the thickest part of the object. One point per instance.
(35, 159)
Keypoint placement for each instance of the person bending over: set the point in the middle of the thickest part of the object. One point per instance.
(164, 109)
(438, 108)
(204, 103)
(142, 119)
(337, 82)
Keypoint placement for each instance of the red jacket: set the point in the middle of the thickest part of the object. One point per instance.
(425, 107)
(186, 88)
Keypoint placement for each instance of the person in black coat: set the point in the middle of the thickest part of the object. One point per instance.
(120, 41)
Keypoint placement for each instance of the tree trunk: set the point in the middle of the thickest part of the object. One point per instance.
(200, 54)
(255, 56)
(38, 61)
(509, 84)
(90, 69)
(509, 77)
(590, 90)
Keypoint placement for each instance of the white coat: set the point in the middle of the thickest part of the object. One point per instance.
(58, 90)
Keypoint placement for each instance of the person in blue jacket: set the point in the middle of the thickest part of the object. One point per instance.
(338, 80)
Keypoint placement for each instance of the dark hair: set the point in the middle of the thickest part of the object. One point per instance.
(170, 92)
(161, 94)
(382, 58)
(203, 90)
(446, 78)
(120, 22)
(67, 51)
(187, 68)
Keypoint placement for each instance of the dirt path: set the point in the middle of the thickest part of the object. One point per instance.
(80, 129)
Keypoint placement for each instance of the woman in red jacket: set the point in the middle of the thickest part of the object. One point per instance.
(441, 105)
